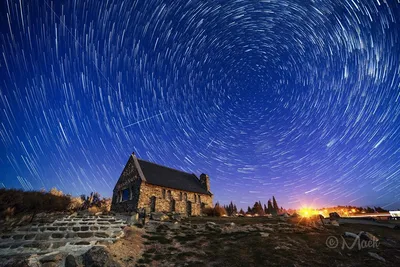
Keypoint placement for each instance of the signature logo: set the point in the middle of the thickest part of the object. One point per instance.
(358, 242)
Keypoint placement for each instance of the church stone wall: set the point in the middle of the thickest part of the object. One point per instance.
(163, 202)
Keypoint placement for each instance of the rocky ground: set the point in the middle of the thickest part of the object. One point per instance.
(197, 241)
(266, 242)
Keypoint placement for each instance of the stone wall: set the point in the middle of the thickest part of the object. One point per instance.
(163, 203)
(131, 181)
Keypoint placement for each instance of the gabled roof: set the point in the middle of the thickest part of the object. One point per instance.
(155, 174)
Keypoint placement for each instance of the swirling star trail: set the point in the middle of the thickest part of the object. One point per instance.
(300, 99)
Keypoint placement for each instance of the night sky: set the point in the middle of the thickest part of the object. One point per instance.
(299, 99)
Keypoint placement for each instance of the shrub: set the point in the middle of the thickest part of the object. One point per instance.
(217, 211)
(75, 203)
(30, 201)
(93, 210)
(9, 212)
(208, 211)
(55, 192)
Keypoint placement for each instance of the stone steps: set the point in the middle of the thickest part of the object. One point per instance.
(65, 234)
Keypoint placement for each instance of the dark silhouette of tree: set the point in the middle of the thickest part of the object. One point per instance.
(275, 206)
(270, 208)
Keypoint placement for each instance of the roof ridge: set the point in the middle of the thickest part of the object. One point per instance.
(167, 167)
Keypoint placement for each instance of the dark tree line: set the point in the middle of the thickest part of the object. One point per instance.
(258, 208)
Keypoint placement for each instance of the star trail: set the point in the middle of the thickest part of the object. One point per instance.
(298, 99)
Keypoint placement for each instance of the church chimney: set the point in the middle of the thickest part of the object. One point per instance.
(205, 181)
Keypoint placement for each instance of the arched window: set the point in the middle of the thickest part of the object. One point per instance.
(169, 194)
(163, 193)
(180, 196)
(199, 199)
(195, 198)
(185, 197)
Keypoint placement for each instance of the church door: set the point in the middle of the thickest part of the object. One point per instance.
(153, 204)
(188, 208)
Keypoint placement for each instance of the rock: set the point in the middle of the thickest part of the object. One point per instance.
(51, 259)
(70, 261)
(98, 213)
(176, 217)
(334, 223)
(211, 223)
(73, 214)
(232, 224)
(162, 227)
(368, 236)
(133, 219)
(17, 261)
(376, 256)
(264, 234)
(349, 234)
(158, 216)
(99, 256)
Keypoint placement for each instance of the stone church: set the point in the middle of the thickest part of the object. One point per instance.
(145, 184)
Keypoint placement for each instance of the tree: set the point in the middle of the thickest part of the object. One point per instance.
(270, 208)
(275, 206)
(241, 212)
(265, 209)
(257, 209)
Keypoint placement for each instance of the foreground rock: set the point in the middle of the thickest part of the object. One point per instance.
(99, 256)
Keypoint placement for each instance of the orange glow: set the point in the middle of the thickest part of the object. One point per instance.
(308, 212)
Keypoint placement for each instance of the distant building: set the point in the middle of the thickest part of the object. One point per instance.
(144, 184)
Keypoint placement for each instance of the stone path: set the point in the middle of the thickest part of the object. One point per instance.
(69, 234)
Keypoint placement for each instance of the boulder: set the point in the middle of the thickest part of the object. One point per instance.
(70, 261)
(53, 258)
(158, 216)
(99, 256)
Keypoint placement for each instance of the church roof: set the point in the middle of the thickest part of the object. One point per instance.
(167, 177)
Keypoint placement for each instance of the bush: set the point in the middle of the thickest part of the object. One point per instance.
(208, 211)
(217, 211)
(55, 192)
(75, 203)
(20, 201)
(94, 210)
